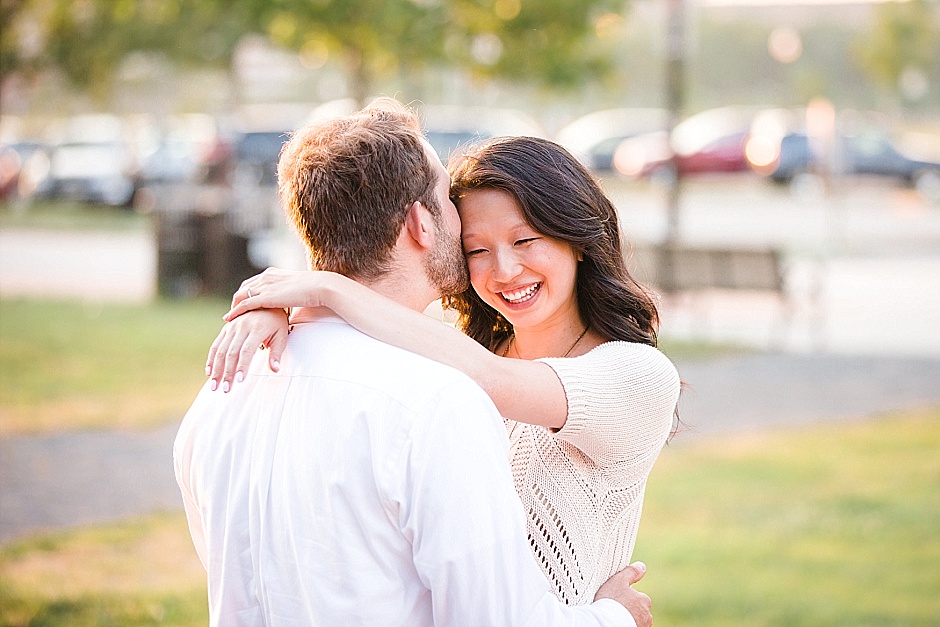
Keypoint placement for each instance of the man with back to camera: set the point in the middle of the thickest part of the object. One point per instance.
(362, 484)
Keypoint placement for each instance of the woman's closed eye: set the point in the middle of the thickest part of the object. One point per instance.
(474, 251)
(524, 241)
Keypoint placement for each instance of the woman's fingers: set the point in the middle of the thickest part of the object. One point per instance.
(232, 354)
(243, 307)
(213, 350)
(276, 348)
(251, 287)
(248, 290)
(221, 348)
(238, 359)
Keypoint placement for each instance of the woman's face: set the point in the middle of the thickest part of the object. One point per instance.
(526, 276)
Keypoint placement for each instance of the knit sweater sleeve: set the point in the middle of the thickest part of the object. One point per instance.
(621, 401)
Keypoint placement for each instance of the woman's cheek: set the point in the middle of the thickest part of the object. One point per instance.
(477, 275)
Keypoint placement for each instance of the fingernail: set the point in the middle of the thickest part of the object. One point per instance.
(225, 386)
(215, 385)
(239, 376)
(276, 365)
(208, 370)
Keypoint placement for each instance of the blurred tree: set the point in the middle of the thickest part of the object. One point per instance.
(87, 39)
(559, 43)
(904, 41)
(552, 42)
(369, 38)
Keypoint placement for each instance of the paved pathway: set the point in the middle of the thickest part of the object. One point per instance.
(72, 479)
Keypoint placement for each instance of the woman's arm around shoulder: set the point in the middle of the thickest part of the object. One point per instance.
(525, 391)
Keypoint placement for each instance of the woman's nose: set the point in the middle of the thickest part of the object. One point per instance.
(507, 266)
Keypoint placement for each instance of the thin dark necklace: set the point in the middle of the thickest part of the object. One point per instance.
(512, 338)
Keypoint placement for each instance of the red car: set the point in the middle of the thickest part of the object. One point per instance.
(711, 141)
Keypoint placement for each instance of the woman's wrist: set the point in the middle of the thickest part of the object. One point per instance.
(327, 289)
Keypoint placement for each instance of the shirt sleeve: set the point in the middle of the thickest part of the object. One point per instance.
(467, 526)
(621, 400)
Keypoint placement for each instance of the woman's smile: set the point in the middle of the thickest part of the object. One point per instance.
(521, 296)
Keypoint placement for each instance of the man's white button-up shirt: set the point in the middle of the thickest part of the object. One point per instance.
(361, 485)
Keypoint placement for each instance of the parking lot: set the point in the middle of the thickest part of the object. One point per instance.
(862, 266)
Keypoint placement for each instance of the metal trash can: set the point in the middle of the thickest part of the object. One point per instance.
(197, 255)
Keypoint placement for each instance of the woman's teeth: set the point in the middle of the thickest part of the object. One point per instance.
(520, 296)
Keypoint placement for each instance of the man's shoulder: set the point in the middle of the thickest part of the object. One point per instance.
(340, 352)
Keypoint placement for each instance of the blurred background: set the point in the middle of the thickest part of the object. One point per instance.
(776, 166)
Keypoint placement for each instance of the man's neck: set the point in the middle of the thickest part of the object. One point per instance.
(413, 293)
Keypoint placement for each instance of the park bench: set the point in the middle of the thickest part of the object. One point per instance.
(690, 275)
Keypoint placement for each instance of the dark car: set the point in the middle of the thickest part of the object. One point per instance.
(256, 155)
(451, 129)
(870, 153)
(92, 171)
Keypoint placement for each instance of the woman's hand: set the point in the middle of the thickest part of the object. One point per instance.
(276, 288)
(232, 351)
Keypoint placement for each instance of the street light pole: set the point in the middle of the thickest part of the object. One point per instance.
(675, 89)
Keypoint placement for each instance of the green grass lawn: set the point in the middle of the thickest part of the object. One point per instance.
(143, 572)
(836, 524)
(70, 215)
(65, 365)
(829, 525)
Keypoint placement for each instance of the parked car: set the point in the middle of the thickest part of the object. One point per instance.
(256, 154)
(708, 142)
(593, 138)
(91, 171)
(866, 153)
(173, 161)
(22, 165)
(450, 128)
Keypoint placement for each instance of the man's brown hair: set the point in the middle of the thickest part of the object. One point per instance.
(346, 185)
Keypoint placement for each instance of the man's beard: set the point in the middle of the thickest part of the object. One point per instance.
(445, 266)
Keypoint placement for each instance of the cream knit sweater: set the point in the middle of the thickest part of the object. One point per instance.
(582, 486)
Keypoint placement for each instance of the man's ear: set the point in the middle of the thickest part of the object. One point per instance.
(419, 225)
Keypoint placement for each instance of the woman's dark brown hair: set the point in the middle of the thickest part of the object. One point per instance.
(559, 199)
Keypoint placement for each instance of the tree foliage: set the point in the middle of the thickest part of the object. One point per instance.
(904, 36)
(549, 42)
(553, 41)
(88, 39)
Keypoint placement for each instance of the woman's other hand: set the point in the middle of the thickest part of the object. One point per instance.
(232, 351)
(276, 288)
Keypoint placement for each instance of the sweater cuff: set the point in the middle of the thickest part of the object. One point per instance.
(569, 376)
